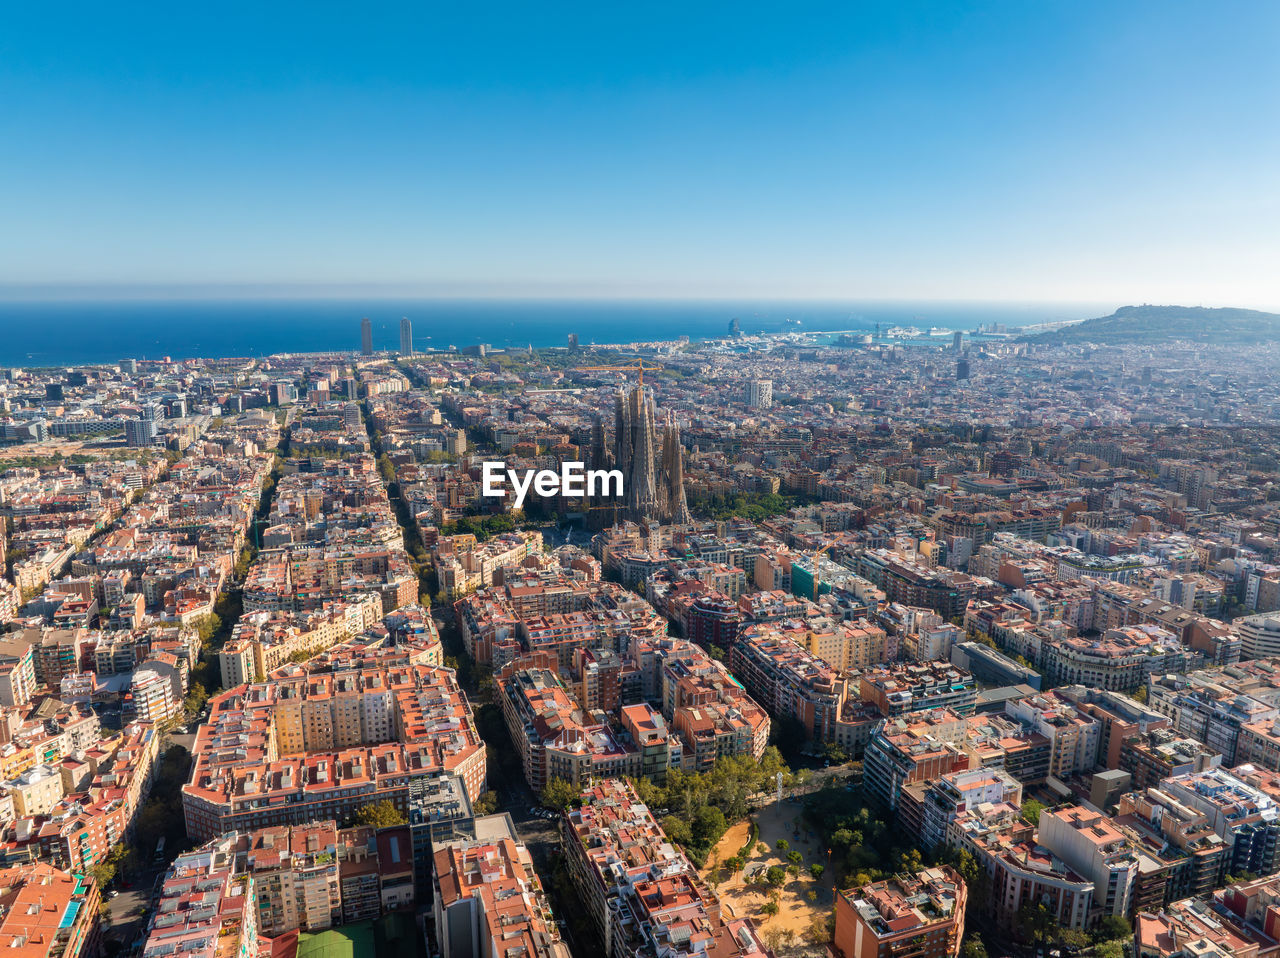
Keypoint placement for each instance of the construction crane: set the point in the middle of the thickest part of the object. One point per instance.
(636, 365)
(816, 556)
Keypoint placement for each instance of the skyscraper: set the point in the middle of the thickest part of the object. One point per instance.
(962, 369)
(366, 337)
(760, 393)
(406, 337)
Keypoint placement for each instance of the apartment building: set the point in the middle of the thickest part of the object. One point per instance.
(316, 745)
(1021, 870)
(1162, 753)
(946, 799)
(916, 687)
(204, 910)
(1211, 707)
(1091, 845)
(1120, 661)
(17, 671)
(1179, 853)
(48, 913)
(488, 899)
(787, 680)
(915, 748)
(640, 891)
(1246, 817)
(904, 916)
(1074, 738)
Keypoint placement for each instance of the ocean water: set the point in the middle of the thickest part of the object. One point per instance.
(65, 332)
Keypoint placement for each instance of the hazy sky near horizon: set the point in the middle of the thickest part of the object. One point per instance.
(1042, 150)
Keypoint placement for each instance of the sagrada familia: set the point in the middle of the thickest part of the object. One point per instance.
(652, 475)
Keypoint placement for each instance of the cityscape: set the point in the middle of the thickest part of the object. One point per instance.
(640, 481)
(885, 644)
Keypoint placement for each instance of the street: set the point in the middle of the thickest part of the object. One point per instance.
(124, 924)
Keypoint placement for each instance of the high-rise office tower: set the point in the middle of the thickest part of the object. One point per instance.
(956, 341)
(735, 327)
(962, 369)
(366, 337)
(760, 393)
(406, 337)
(573, 340)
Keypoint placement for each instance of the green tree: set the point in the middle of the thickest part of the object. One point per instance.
(708, 825)
(794, 857)
(678, 830)
(835, 754)
(208, 627)
(103, 872)
(1036, 923)
(776, 876)
(1110, 949)
(782, 845)
(973, 947)
(381, 814)
(975, 878)
(1073, 938)
(196, 698)
(487, 803)
(1113, 928)
(557, 794)
(816, 870)
(1031, 810)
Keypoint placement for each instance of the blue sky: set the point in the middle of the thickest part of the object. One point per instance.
(1025, 150)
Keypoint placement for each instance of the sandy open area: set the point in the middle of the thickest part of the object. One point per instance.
(747, 892)
(51, 447)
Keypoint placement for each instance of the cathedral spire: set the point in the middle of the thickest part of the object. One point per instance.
(673, 466)
(622, 435)
(642, 494)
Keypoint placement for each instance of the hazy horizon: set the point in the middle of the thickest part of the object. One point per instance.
(353, 293)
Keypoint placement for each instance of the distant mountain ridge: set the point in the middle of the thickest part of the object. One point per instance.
(1161, 324)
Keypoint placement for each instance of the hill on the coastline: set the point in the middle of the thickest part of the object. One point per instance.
(1161, 324)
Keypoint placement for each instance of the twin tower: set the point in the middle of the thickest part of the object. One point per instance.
(653, 486)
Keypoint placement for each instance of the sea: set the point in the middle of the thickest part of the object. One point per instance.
(70, 332)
